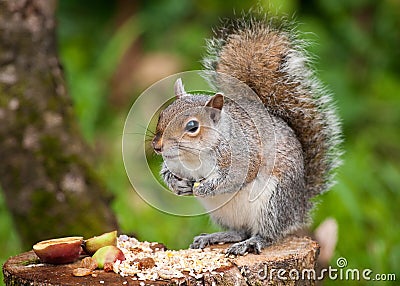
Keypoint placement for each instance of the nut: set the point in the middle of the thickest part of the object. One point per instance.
(146, 263)
(80, 272)
(89, 263)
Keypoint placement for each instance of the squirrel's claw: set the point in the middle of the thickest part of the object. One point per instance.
(183, 188)
(201, 241)
(252, 245)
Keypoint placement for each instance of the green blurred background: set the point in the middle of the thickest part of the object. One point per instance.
(113, 50)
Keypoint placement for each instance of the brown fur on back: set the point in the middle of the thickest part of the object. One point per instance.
(271, 60)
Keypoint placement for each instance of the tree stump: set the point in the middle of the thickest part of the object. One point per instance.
(289, 262)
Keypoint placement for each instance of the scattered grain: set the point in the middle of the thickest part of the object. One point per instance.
(148, 261)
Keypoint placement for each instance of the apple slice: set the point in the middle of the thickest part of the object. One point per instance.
(59, 250)
(107, 255)
(93, 244)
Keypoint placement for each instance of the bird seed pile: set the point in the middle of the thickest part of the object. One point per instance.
(150, 261)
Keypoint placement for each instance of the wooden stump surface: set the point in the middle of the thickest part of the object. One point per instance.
(292, 253)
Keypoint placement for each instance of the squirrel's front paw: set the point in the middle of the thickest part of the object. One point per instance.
(202, 189)
(181, 187)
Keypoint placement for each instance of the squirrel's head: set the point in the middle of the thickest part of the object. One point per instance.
(187, 133)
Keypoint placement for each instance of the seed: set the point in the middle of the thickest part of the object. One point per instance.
(80, 272)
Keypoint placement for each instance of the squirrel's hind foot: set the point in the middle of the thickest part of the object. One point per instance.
(252, 245)
(205, 239)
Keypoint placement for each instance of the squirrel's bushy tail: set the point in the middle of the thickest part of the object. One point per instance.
(271, 59)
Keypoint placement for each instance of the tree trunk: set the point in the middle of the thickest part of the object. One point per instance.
(290, 262)
(45, 170)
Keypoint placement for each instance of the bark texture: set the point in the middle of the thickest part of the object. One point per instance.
(45, 169)
(293, 255)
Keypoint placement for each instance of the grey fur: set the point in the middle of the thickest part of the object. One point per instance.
(271, 160)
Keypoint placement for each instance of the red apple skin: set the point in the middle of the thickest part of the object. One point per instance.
(59, 250)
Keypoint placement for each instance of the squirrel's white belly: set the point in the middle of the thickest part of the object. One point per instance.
(241, 210)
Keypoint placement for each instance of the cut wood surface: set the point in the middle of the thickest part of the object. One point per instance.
(295, 256)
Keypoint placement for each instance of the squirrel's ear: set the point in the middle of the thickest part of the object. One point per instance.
(217, 101)
(179, 89)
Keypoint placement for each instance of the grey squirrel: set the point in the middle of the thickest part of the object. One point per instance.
(254, 169)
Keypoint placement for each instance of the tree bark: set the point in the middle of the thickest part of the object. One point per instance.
(290, 262)
(45, 169)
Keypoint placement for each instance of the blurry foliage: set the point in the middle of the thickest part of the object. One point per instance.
(356, 43)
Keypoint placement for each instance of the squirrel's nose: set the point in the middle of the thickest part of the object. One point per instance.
(157, 144)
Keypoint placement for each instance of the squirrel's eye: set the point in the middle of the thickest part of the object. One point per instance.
(192, 126)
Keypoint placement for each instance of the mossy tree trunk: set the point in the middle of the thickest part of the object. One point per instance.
(45, 170)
